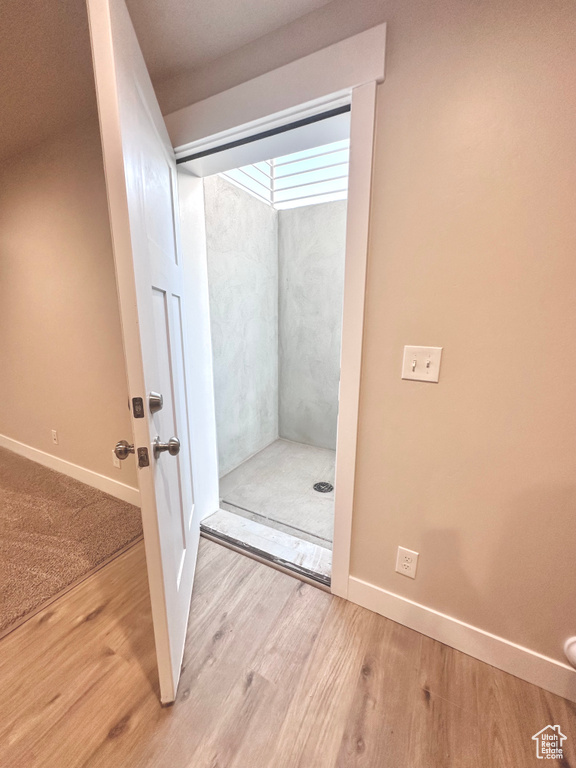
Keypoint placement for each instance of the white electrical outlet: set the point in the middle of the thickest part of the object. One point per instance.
(407, 562)
(55, 437)
(116, 461)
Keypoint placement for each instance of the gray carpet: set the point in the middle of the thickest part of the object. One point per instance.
(53, 531)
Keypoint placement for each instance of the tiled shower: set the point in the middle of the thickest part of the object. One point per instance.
(276, 282)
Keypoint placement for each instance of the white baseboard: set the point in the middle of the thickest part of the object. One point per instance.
(552, 675)
(87, 476)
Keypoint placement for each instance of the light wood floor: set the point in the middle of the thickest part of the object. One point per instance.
(277, 674)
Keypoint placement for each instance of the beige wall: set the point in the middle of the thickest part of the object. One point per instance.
(60, 345)
(472, 247)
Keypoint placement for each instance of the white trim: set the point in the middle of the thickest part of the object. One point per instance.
(201, 385)
(552, 675)
(297, 90)
(362, 119)
(299, 139)
(87, 476)
(246, 130)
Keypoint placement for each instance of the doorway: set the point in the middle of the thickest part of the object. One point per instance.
(347, 115)
(275, 243)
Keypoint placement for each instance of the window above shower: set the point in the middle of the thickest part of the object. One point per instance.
(316, 175)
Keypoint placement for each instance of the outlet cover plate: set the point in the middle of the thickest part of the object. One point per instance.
(421, 363)
(407, 562)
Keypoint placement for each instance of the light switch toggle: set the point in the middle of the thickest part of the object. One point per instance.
(421, 363)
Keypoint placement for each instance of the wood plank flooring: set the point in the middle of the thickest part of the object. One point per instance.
(277, 674)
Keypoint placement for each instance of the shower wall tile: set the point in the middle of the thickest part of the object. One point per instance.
(242, 247)
(312, 243)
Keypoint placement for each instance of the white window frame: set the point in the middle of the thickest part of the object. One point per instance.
(266, 185)
(346, 72)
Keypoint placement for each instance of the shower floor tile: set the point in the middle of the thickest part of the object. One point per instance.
(274, 487)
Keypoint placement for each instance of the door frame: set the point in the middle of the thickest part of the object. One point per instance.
(346, 72)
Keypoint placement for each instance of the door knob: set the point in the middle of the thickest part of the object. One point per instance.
(172, 446)
(155, 402)
(123, 449)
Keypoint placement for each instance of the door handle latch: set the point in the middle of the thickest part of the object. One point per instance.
(123, 449)
(172, 446)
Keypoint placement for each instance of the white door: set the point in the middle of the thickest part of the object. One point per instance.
(142, 195)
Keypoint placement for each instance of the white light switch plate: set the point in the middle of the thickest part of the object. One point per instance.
(421, 363)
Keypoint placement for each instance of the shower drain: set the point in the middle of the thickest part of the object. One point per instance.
(323, 487)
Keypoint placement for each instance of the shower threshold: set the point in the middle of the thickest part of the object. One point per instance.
(283, 550)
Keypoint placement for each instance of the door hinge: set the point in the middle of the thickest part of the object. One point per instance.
(143, 458)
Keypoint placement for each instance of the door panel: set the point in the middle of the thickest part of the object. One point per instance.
(143, 203)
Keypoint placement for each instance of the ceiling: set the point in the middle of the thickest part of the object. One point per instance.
(46, 78)
(179, 35)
